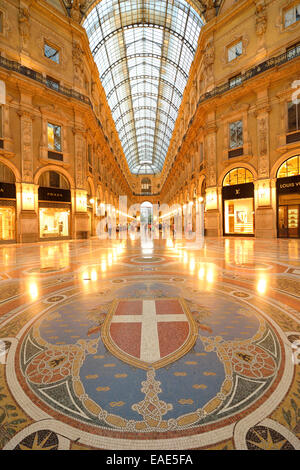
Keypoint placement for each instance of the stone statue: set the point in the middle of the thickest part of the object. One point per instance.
(77, 55)
(261, 17)
(24, 26)
(210, 9)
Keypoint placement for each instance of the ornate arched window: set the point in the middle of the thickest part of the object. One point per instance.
(52, 179)
(290, 167)
(238, 176)
(6, 174)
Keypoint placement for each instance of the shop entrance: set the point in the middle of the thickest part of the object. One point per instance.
(7, 204)
(54, 206)
(288, 221)
(7, 223)
(288, 198)
(238, 203)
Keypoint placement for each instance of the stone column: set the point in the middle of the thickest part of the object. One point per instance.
(212, 214)
(80, 216)
(28, 217)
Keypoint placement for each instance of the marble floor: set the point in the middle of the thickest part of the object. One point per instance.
(155, 345)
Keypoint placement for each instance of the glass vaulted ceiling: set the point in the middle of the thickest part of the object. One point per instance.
(143, 50)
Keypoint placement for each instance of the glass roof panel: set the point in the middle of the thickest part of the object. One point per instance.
(143, 50)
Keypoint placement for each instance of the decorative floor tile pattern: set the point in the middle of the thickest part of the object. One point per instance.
(108, 345)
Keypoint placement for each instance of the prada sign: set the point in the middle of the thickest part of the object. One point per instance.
(238, 191)
(54, 194)
(291, 184)
(7, 191)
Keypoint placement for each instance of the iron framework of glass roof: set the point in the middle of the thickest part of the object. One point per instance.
(143, 50)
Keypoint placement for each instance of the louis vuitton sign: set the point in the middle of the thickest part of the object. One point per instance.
(288, 185)
(238, 191)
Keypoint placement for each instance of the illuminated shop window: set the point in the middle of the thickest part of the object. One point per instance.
(292, 15)
(238, 176)
(239, 216)
(290, 167)
(51, 53)
(54, 137)
(235, 51)
(7, 213)
(7, 223)
(54, 222)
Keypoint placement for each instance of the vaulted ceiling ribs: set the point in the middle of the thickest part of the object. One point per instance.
(144, 50)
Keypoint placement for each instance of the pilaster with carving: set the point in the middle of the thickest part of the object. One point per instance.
(77, 56)
(80, 153)
(263, 145)
(26, 146)
(24, 27)
(208, 66)
(210, 143)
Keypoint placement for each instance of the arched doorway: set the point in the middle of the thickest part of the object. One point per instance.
(54, 206)
(146, 217)
(7, 204)
(288, 198)
(238, 202)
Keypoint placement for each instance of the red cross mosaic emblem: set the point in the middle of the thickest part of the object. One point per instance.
(149, 332)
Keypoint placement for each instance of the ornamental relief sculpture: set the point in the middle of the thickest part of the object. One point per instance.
(261, 18)
(208, 64)
(26, 143)
(77, 55)
(210, 9)
(263, 147)
(211, 159)
(24, 27)
(79, 154)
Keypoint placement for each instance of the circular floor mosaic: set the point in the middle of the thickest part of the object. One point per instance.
(91, 362)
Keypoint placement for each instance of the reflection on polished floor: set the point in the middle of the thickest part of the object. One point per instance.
(153, 345)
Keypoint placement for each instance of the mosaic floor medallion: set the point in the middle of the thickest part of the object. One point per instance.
(149, 365)
(174, 358)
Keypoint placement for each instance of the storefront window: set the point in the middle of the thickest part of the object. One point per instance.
(7, 223)
(239, 216)
(54, 222)
(290, 167)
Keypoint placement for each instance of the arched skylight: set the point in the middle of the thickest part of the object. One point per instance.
(144, 50)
